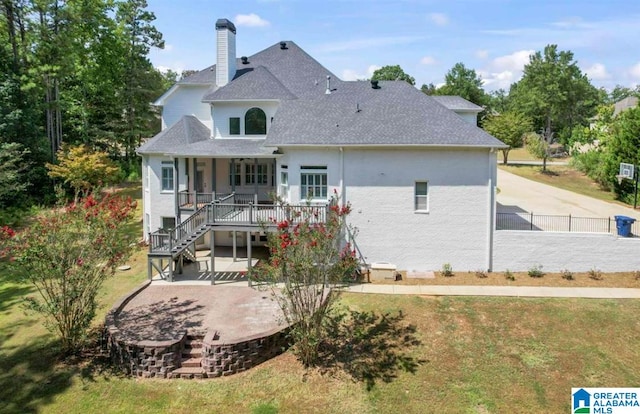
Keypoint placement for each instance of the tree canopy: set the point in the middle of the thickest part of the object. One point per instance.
(508, 127)
(393, 73)
(463, 82)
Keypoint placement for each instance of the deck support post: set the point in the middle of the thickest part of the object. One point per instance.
(235, 245)
(150, 268)
(249, 257)
(170, 268)
(212, 255)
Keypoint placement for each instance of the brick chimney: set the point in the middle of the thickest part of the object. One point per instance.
(226, 51)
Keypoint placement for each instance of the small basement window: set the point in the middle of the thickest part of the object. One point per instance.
(421, 196)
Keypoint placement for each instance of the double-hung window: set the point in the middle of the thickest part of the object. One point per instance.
(167, 176)
(421, 196)
(234, 126)
(313, 182)
(262, 175)
(284, 183)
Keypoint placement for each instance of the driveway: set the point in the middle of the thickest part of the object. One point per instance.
(518, 194)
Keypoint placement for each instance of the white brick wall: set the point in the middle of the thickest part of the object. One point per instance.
(379, 183)
(159, 203)
(577, 252)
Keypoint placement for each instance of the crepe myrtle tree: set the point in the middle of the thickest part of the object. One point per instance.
(66, 255)
(309, 256)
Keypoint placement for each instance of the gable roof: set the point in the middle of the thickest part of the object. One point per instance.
(188, 130)
(457, 103)
(255, 84)
(356, 114)
(624, 104)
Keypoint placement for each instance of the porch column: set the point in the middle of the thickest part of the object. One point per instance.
(176, 188)
(249, 256)
(255, 177)
(234, 244)
(232, 174)
(212, 260)
(194, 169)
(214, 188)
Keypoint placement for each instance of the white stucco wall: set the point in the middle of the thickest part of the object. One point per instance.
(379, 184)
(222, 111)
(577, 252)
(186, 100)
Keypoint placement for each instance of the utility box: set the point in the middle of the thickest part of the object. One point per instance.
(383, 271)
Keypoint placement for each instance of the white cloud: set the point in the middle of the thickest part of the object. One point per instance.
(597, 72)
(251, 20)
(635, 71)
(168, 47)
(178, 68)
(482, 54)
(368, 43)
(428, 60)
(352, 75)
(502, 71)
(440, 19)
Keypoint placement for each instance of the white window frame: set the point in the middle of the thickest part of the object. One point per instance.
(422, 198)
(284, 184)
(237, 175)
(314, 173)
(167, 167)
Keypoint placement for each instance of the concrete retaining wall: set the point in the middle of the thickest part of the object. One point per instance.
(577, 252)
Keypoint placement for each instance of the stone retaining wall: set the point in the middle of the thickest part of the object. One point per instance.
(222, 359)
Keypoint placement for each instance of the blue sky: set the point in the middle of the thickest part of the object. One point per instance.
(354, 37)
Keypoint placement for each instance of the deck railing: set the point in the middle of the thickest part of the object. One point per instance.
(545, 222)
(194, 200)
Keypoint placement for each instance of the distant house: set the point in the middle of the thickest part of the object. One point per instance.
(418, 173)
(624, 104)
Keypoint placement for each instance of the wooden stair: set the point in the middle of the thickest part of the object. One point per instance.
(191, 363)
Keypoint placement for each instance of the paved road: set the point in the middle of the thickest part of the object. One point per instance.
(518, 194)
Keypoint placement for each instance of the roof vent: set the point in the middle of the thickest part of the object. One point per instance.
(374, 84)
(283, 45)
(245, 60)
(328, 91)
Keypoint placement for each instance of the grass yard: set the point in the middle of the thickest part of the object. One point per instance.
(565, 177)
(468, 355)
(521, 154)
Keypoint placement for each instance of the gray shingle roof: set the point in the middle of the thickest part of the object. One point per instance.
(395, 114)
(624, 104)
(188, 130)
(457, 103)
(255, 83)
(298, 72)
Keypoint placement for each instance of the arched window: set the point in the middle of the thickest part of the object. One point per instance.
(255, 122)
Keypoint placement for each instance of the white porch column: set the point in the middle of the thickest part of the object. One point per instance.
(249, 256)
(176, 188)
(232, 174)
(235, 245)
(255, 176)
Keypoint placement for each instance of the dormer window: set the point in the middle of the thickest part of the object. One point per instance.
(234, 126)
(255, 122)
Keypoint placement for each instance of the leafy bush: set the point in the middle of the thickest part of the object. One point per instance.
(636, 274)
(447, 270)
(536, 271)
(566, 274)
(508, 275)
(595, 274)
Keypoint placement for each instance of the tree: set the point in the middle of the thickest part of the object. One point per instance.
(498, 102)
(429, 89)
(538, 146)
(465, 83)
(84, 170)
(508, 127)
(13, 182)
(623, 146)
(554, 93)
(66, 255)
(392, 73)
(307, 257)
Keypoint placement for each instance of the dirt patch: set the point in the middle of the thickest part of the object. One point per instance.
(581, 279)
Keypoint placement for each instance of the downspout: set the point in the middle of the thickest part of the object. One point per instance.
(491, 210)
(343, 201)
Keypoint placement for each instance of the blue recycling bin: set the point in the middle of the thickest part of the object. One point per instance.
(623, 224)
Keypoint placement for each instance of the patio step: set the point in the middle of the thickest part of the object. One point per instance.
(189, 353)
(188, 373)
(191, 362)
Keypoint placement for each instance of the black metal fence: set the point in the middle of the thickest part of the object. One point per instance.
(545, 222)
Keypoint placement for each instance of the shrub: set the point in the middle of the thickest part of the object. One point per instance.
(481, 274)
(508, 275)
(636, 274)
(595, 274)
(536, 271)
(566, 274)
(447, 270)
